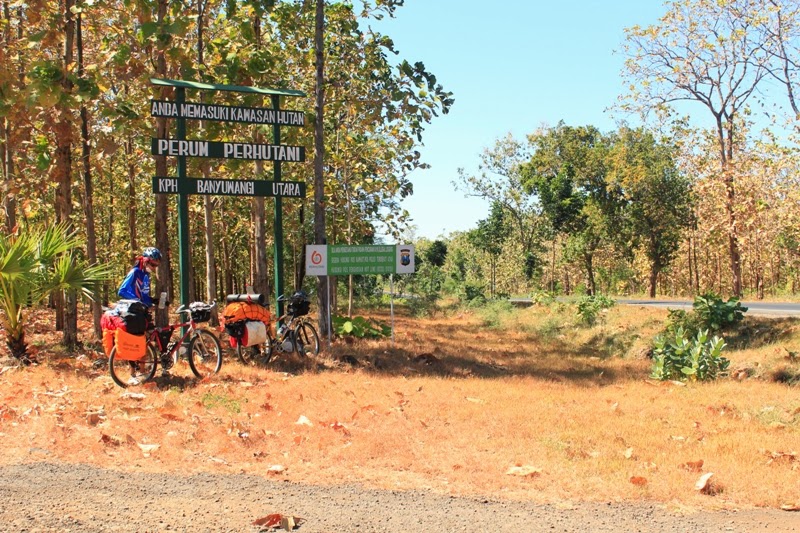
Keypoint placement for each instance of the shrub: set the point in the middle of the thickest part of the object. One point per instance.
(590, 306)
(494, 312)
(360, 327)
(542, 298)
(472, 292)
(709, 313)
(698, 359)
(716, 315)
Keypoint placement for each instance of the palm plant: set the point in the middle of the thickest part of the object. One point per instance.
(34, 265)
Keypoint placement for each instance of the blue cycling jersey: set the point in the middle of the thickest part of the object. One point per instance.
(136, 286)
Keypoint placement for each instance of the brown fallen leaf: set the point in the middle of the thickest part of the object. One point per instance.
(791, 507)
(271, 520)
(693, 466)
(639, 481)
(110, 440)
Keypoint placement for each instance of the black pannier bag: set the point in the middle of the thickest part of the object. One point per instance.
(201, 311)
(134, 315)
(299, 304)
(236, 329)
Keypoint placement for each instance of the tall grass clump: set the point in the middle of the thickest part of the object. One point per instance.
(494, 313)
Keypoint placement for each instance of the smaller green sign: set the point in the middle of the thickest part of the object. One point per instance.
(214, 186)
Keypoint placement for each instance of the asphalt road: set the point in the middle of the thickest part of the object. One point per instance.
(753, 308)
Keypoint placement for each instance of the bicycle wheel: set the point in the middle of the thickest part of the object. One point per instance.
(126, 373)
(205, 354)
(306, 339)
(260, 354)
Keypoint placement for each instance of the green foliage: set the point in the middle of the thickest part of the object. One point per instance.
(472, 293)
(678, 357)
(436, 254)
(493, 312)
(360, 327)
(709, 313)
(211, 401)
(717, 315)
(590, 306)
(542, 298)
(679, 319)
(34, 265)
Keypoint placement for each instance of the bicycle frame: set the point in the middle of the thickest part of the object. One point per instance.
(156, 338)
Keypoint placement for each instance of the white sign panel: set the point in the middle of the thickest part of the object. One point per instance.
(405, 259)
(316, 260)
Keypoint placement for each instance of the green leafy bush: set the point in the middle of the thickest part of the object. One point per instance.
(360, 327)
(682, 357)
(717, 315)
(542, 298)
(590, 306)
(709, 313)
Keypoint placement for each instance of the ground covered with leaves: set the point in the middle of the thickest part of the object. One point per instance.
(510, 421)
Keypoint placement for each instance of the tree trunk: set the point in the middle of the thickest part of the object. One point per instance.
(588, 260)
(319, 154)
(260, 274)
(131, 167)
(9, 204)
(300, 272)
(63, 170)
(162, 215)
(654, 269)
(88, 197)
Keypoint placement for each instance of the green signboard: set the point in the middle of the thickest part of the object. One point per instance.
(292, 189)
(227, 150)
(343, 259)
(226, 113)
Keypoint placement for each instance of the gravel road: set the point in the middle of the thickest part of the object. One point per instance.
(43, 496)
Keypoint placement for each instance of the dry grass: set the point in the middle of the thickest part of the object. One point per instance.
(453, 406)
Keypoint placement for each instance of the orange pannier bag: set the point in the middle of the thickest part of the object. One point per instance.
(236, 311)
(108, 341)
(129, 347)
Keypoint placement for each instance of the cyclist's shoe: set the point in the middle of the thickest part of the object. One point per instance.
(137, 369)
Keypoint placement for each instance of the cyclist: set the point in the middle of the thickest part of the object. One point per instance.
(136, 285)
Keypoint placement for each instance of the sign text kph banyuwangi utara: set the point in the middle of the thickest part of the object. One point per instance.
(228, 150)
(226, 113)
(213, 186)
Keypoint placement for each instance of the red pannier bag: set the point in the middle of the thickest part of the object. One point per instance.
(110, 322)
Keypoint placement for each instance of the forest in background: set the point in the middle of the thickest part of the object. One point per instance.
(668, 207)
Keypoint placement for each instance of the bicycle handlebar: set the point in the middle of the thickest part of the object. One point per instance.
(183, 309)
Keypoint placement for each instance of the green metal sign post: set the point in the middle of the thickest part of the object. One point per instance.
(278, 218)
(182, 148)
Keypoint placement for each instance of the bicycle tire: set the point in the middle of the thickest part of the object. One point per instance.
(205, 354)
(306, 339)
(140, 371)
(260, 354)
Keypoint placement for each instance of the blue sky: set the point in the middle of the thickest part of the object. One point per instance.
(512, 65)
